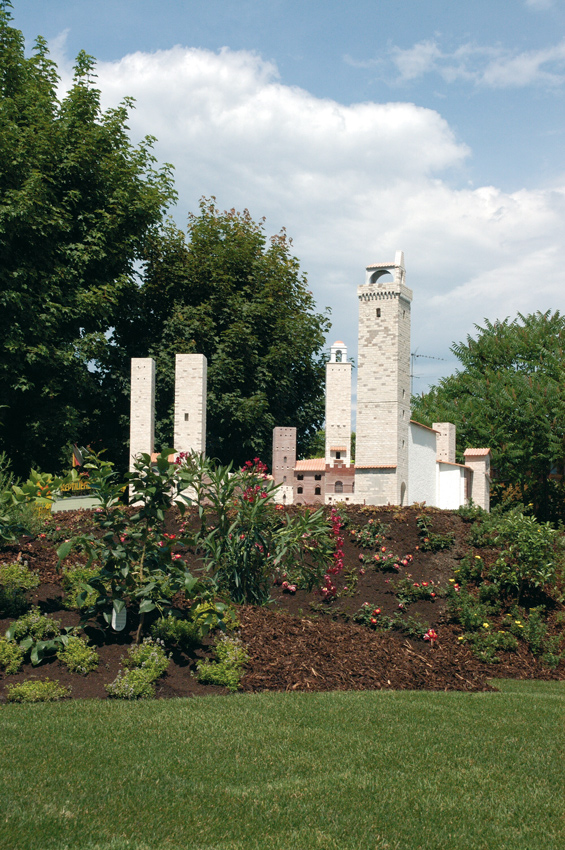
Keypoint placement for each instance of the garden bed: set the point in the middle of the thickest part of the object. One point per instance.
(303, 640)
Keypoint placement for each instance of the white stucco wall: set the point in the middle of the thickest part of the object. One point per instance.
(422, 465)
(451, 486)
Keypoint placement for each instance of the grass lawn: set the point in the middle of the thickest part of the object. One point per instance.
(366, 770)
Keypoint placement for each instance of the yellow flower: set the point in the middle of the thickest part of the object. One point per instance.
(451, 579)
(478, 557)
(486, 625)
(461, 637)
(518, 622)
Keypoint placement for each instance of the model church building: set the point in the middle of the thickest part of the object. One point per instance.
(397, 461)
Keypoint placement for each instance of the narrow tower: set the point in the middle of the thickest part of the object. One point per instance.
(338, 406)
(190, 403)
(142, 408)
(383, 385)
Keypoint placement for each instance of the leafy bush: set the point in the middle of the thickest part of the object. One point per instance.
(47, 690)
(37, 634)
(228, 669)
(149, 656)
(466, 609)
(413, 625)
(145, 663)
(78, 656)
(432, 541)
(11, 656)
(529, 553)
(485, 644)
(76, 584)
(373, 618)
(408, 591)
(370, 535)
(177, 632)
(15, 580)
(134, 684)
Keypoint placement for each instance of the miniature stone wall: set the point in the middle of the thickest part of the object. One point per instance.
(142, 408)
(190, 403)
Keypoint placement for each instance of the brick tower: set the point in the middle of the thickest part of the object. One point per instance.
(338, 406)
(383, 386)
(190, 403)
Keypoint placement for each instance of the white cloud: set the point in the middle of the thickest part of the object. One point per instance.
(351, 184)
(494, 67)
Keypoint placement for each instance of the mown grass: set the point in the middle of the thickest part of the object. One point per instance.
(370, 771)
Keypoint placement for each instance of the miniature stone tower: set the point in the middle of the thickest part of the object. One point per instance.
(142, 408)
(338, 406)
(383, 385)
(190, 403)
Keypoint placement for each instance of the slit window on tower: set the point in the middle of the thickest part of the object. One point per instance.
(186, 417)
(378, 312)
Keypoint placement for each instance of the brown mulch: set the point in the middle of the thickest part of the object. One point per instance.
(299, 643)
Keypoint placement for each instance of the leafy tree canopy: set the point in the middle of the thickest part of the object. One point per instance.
(229, 293)
(509, 395)
(78, 202)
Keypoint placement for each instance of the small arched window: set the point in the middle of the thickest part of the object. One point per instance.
(300, 490)
(338, 356)
(318, 491)
(338, 487)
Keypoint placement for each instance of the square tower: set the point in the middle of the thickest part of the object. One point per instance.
(190, 403)
(338, 406)
(142, 408)
(284, 461)
(383, 385)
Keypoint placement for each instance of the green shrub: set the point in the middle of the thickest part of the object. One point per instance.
(373, 618)
(529, 553)
(34, 625)
(176, 632)
(15, 580)
(75, 581)
(431, 541)
(146, 662)
(134, 684)
(464, 608)
(414, 625)
(78, 656)
(485, 644)
(11, 656)
(38, 634)
(150, 656)
(228, 669)
(47, 690)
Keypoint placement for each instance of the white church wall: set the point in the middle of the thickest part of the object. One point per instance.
(422, 464)
(450, 486)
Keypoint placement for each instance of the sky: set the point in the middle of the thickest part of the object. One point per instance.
(363, 128)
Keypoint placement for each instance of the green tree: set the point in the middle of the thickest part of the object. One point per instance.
(509, 396)
(239, 299)
(78, 202)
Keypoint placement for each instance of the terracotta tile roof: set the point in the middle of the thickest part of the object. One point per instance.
(449, 463)
(338, 342)
(314, 464)
(381, 266)
(376, 466)
(479, 452)
(155, 455)
(338, 448)
(427, 427)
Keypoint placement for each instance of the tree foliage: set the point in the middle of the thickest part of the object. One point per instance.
(509, 395)
(229, 293)
(77, 203)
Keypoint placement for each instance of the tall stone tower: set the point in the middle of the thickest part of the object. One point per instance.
(190, 403)
(142, 408)
(383, 385)
(338, 406)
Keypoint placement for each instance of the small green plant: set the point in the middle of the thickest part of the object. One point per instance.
(76, 584)
(413, 625)
(11, 656)
(470, 568)
(370, 535)
(466, 609)
(228, 669)
(431, 541)
(47, 690)
(470, 512)
(144, 663)
(15, 580)
(38, 634)
(408, 591)
(78, 656)
(175, 631)
(485, 643)
(373, 618)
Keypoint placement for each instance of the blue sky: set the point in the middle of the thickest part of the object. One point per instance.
(361, 127)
